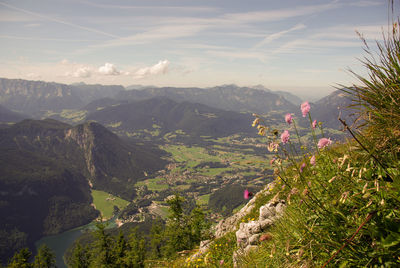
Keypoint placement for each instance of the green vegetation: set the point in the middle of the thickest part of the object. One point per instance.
(156, 184)
(203, 199)
(44, 258)
(182, 231)
(114, 125)
(106, 203)
(73, 116)
(343, 202)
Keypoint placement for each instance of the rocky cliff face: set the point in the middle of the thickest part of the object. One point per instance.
(83, 136)
(249, 234)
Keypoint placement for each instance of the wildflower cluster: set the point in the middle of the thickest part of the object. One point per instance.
(334, 199)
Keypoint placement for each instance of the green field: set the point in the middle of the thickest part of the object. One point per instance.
(203, 199)
(105, 203)
(156, 184)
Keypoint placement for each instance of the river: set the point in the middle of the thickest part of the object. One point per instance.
(61, 242)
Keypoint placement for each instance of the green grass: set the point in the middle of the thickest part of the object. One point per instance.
(213, 171)
(114, 125)
(73, 115)
(156, 184)
(105, 203)
(203, 199)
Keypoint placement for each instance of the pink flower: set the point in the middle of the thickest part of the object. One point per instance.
(285, 136)
(288, 118)
(305, 108)
(314, 124)
(221, 262)
(324, 142)
(312, 160)
(246, 194)
(272, 161)
(302, 167)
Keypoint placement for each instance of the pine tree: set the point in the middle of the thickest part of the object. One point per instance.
(21, 259)
(102, 254)
(198, 224)
(80, 257)
(137, 250)
(45, 258)
(121, 250)
(157, 239)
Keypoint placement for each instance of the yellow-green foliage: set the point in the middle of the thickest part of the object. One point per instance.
(203, 199)
(114, 125)
(219, 254)
(74, 115)
(156, 184)
(105, 202)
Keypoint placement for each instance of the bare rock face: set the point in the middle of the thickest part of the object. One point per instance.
(229, 224)
(249, 233)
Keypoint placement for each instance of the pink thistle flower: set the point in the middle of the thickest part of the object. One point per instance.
(303, 165)
(305, 108)
(285, 136)
(312, 160)
(246, 194)
(288, 118)
(314, 124)
(324, 142)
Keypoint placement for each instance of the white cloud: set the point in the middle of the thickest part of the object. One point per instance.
(366, 3)
(279, 14)
(82, 72)
(160, 68)
(109, 69)
(45, 17)
(278, 35)
(155, 34)
(64, 62)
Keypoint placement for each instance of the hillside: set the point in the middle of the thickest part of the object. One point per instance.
(330, 107)
(47, 169)
(8, 116)
(162, 115)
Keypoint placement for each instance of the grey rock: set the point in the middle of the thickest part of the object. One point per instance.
(253, 240)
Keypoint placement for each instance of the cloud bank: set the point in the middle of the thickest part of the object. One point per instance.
(160, 68)
(108, 69)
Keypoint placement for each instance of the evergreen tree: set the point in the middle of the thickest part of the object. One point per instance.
(80, 257)
(157, 239)
(198, 226)
(137, 251)
(177, 229)
(102, 253)
(120, 250)
(21, 259)
(45, 258)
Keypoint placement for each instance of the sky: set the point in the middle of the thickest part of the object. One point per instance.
(302, 46)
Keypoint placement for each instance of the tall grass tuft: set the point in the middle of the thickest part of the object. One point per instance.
(343, 200)
(377, 99)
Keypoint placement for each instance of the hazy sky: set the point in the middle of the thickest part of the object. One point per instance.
(282, 44)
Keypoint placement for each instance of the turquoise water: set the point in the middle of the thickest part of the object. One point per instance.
(61, 242)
